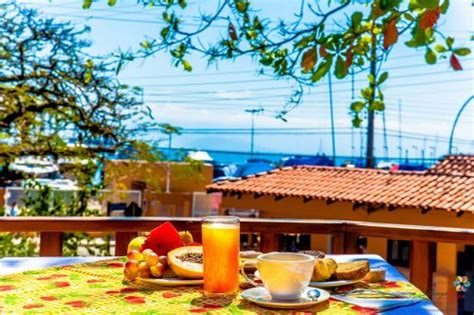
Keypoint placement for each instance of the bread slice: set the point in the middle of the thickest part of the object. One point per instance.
(353, 270)
(323, 269)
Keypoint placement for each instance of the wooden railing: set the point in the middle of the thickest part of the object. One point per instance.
(344, 233)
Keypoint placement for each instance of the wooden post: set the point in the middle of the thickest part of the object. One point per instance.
(344, 243)
(268, 242)
(338, 243)
(350, 243)
(421, 266)
(121, 242)
(51, 244)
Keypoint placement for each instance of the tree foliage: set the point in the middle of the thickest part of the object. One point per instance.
(305, 48)
(52, 91)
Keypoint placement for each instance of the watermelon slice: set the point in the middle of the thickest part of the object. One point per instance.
(163, 239)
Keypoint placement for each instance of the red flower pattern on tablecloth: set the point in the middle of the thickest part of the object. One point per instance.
(112, 292)
(54, 276)
(389, 284)
(95, 280)
(128, 290)
(61, 284)
(212, 306)
(169, 295)
(49, 298)
(77, 304)
(6, 288)
(135, 299)
(198, 310)
(33, 305)
(115, 265)
(364, 310)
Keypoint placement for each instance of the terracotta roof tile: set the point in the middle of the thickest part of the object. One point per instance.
(449, 185)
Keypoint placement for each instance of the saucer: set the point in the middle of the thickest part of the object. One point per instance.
(332, 284)
(260, 296)
(323, 284)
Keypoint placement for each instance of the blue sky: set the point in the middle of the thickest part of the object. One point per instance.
(217, 97)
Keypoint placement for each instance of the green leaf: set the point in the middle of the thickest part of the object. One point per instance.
(86, 4)
(164, 32)
(357, 106)
(408, 17)
(450, 42)
(428, 4)
(87, 77)
(145, 44)
(356, 121)
(382, 78)
(377, 105)
(430, 56)
(440, 48)
(111, 3)
(341, 69)
(371, 79)
(380, 94)
(266, 61)
(462, 51)
(323, 68)
(304, 41)
(413, 5)
(366, 93)
(356, 19)
(444, 7)
(182, 4)
(242, 6)
(187, 66)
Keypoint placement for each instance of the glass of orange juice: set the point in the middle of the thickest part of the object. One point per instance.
(221, 246)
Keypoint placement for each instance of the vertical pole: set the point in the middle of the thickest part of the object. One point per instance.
(252, 134)
(400, 131)
(385, 142)
(370, 162)
(421, 266)
(333, 135)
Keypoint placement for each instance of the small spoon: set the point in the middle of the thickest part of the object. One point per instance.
(313, 294)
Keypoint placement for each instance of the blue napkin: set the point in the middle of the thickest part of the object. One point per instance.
(377, 304)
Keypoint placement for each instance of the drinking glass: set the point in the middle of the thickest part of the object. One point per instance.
(221, 242)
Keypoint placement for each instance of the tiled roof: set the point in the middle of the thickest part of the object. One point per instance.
(425, 190)
(462, 165)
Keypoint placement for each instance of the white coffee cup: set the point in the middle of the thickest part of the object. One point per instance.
(284, 275)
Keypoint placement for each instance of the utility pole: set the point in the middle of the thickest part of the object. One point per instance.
(333, 134)
(253, 112)
(385, 141)
(370, 161)
(400, 130)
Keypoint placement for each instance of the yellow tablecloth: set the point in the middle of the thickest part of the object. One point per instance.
(97, 288)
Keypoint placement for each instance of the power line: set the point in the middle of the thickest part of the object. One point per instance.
(181, 93)
(278, 96)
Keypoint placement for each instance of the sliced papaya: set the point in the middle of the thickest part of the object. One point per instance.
(187, 262)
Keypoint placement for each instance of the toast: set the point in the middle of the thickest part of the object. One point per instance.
(323, 269)
(354, 270)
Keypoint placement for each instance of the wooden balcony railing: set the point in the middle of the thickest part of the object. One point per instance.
(344, 233)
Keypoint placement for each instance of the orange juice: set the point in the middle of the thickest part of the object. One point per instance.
(221, 242)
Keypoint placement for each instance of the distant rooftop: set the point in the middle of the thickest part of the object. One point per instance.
(448, 185)
(454, 165)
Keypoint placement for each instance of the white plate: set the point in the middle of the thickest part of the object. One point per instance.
(171, 282)
(323, 284)
(260, 296)
(332, 284)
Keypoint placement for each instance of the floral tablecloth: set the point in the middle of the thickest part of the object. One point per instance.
(97, 288)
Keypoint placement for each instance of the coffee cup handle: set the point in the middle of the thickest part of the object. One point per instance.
(242, 270)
